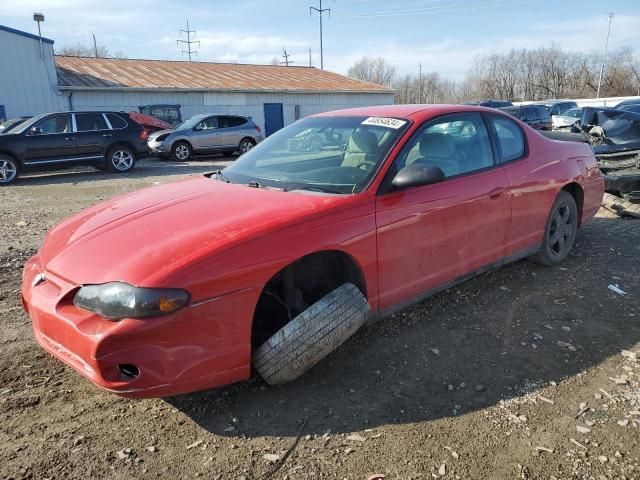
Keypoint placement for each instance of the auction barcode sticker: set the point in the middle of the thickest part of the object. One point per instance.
(384, 122)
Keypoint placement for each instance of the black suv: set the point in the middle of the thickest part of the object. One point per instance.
(535, 116)
(490, 103)
(106, 140)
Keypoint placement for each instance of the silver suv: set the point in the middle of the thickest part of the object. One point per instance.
(206, 133)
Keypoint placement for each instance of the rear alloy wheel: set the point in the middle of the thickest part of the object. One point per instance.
(181, 151)
(120, 159)
(560, 232)
(8, 170)
(312, 335)
(245, 145)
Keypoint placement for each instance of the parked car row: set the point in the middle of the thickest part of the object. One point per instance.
(113, 140)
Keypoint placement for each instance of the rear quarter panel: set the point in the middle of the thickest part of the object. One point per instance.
(537, 179)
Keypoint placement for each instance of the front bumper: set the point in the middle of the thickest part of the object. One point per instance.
(158, 149)
(204, 345)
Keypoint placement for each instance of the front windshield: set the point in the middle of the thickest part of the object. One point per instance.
(574, 112)
(28, 123)
(326, 154)
(190, 122)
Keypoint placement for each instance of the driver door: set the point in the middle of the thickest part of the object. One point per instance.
(205, 135)
(51, 140)
(431, 235)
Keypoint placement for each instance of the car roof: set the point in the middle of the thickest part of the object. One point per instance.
(405, 111)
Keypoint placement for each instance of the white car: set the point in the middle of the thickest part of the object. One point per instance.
(566, 120)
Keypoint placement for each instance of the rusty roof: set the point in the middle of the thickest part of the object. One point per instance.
(114, 73)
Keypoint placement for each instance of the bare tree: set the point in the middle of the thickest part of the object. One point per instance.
(82, 50)
(375, 70)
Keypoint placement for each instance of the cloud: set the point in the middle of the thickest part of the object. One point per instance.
(452, 57)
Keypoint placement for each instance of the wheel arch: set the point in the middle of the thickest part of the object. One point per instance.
(183, 140)
(13, 157)
(298, 285)
(577, 192)
(123, 143)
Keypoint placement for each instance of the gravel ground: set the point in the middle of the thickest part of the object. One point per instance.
(526, 372)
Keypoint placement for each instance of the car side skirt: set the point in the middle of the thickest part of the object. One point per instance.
(380, 314)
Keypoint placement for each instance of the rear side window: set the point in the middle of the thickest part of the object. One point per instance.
(116, 121)
(510, 138)
(86, 122)
(226, 122)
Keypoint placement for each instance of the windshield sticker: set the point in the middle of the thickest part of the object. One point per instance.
(384, 122)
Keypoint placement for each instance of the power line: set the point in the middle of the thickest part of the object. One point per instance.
(320, 11)
(188, 41)
(604, 57)
(453, 7)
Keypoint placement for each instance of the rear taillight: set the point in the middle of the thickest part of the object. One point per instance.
(144, 134)
(258, 129)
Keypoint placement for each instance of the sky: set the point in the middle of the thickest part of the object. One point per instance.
(443, 35)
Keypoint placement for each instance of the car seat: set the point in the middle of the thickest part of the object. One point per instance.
(362, 149)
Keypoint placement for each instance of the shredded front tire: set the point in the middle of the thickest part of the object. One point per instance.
(312, 335)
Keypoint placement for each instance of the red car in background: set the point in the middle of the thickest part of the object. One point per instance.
(280, 257)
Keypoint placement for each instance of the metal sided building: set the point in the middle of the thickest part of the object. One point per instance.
(273, 95)
(28, 83)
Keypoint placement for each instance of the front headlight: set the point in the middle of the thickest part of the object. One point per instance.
(118, 300)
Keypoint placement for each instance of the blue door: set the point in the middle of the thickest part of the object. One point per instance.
(273, 119)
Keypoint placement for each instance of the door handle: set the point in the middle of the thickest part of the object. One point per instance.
(496, 193)
(69, 138)
(106, 134)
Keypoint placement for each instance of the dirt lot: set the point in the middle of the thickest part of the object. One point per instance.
(527, 372)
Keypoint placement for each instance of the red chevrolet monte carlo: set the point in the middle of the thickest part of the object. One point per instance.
(276, 260)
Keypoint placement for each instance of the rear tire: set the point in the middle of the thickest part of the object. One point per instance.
(120, 159)
(560, 231)
(9, 170)
(312, 335)
(181, 151)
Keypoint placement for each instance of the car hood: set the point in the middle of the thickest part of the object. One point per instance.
(154, 135)
(563, 120)
(141, 237)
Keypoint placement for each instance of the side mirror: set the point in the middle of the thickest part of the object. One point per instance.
(197, 128)
(35, 131)
(416, 175)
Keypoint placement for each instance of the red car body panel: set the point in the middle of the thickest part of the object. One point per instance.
(224, 242)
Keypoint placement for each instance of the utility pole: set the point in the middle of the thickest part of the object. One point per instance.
(95, 45)
(320, 12)
(419, 82)
(309, 56)
(188, 41)
(604, 57)
(286, 56)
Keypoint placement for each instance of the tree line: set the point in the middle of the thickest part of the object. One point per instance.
(517, 75)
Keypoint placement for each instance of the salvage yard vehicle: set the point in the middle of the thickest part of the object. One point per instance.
(170, 114)
(533, 115)
(557, 107)
(615, 136)
(206, 133)
(107, 140)
(12, 123)
(490, 103)
(279, 258)
(567, 119)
